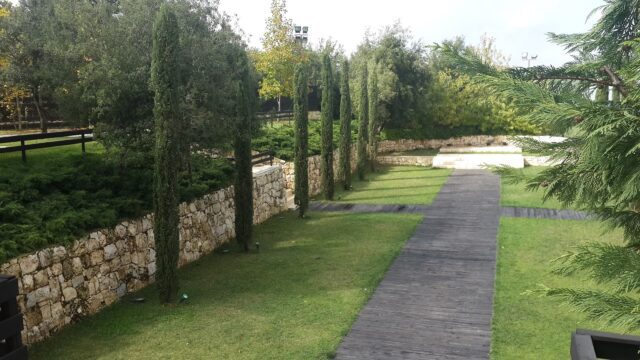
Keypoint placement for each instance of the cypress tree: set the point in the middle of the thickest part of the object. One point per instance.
(301, 117)
(344, 165)
(165, 81)
(373, 116)
(364, 123)
(243, 194)
(326, 151)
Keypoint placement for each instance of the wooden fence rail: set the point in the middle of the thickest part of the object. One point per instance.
(82, 136)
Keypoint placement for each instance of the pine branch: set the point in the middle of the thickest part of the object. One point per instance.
(615, 310)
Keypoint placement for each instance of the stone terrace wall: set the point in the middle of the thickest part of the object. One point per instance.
(314, 171)
(405, 160)
(62, 284)
(407, 145)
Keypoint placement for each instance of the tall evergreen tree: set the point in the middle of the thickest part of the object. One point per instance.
(165, 81)
(243, 194)
(301, 117)
(598, 167)
(326, 151)
(344, 166)
(364, 124)
(374, 120)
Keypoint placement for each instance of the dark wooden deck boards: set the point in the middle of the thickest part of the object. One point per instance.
(366, 208)
(436, 300)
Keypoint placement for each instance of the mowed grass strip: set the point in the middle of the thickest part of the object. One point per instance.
(295, 299)
(410, 185)
(517, 195)
(525, 325)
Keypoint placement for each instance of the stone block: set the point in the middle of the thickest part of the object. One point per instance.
(38, 295)
(29, 264)
(40, 278)
(69, 294)
(110, 252)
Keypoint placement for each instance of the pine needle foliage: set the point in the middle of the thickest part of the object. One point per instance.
(344, 166)
(598, 167)
(364, 124)
(301, 118)
(243, 189)
(326, 153)
(165, 81)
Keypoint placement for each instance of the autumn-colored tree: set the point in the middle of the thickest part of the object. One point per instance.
(276, 63)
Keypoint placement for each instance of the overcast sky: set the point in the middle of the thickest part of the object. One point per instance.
(517, 25)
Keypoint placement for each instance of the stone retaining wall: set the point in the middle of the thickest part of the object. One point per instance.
(314, 171)
(59, 285)
(405, 160)
(407, 145)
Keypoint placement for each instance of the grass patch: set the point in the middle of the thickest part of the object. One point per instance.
(57, 196)
(519, 196)
(529, 326)
(409, 185)
(296, 299)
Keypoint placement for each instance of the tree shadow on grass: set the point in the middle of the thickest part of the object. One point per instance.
(234, 294)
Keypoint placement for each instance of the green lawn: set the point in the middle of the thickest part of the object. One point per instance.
(518, 195)
(529, 326)
(296, 299)
(396, 185)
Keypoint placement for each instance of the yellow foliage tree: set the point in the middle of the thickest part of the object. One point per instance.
(10, 95)
(276, 63)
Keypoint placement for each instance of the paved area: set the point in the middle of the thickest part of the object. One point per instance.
(536, 213)
(367, 208)
(435, 302)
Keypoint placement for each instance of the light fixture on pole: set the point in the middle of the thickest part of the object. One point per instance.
(529, 58)
(301, 34)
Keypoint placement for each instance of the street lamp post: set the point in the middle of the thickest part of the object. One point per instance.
(529, 58)
(301, 34)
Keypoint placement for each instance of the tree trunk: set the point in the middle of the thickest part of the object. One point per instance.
(19, 110)
(279, 103)
(37, 100)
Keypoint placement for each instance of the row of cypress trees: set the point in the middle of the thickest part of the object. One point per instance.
(170, 144)
(367, 132)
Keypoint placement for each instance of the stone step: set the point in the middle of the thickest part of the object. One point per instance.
(483, 149)
(477, 161)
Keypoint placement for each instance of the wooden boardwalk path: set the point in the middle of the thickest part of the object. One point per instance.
(436, 300)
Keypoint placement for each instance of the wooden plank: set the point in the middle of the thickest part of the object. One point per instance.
(44, 145)
(436, 300)
(41, 136)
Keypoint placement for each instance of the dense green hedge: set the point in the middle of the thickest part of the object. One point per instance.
(57, 196)
(280, 138)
